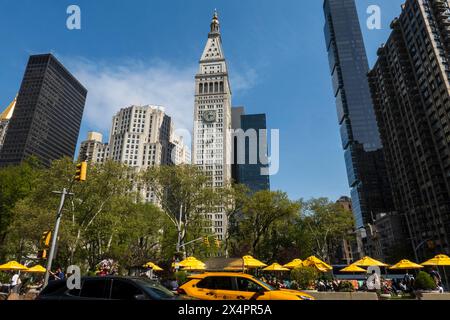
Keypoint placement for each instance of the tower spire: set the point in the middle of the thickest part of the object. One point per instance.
(7, 113)
(215, 25)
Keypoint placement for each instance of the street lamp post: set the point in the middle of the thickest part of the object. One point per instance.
(55, 234)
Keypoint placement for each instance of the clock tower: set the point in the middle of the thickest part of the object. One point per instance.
(211, 147)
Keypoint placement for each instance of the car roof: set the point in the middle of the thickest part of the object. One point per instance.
(114, 277)
(220, 274)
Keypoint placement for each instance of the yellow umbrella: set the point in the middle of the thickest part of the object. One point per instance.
(406, 265)
(192, 263)
(293, 264)
(195, 267)
(439, 260)
(353, 268)
(369, 262)
(250, 262)
(316, 262)
(36, 269)
(275, 267)
(13, 265)
(153, 266)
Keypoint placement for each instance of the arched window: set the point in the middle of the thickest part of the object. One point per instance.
(211, 87)
(201, 88)
(216, 87)
(221, 86)
(205, 89)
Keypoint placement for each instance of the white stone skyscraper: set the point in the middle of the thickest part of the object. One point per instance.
(211, 147)
(140, 137)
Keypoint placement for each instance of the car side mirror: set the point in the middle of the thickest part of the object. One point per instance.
(140, 297)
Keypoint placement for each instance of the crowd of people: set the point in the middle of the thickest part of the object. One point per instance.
(373, 283)
(22, 283)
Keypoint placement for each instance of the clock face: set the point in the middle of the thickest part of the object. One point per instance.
(209, 116)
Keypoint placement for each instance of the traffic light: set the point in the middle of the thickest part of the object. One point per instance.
(206, 241)
(46, 238)
(81, 172)
(218, 243)
(42, 254)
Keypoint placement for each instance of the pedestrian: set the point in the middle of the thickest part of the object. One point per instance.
(409, 281)
(174, 284)
(436, 277)
(15, 283)
(373, 282)
(58, 274)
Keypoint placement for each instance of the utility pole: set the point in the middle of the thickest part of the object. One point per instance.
(55, 234)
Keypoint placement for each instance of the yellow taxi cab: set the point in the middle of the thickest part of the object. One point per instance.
(235, 286)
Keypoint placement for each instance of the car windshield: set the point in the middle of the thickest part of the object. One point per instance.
(268, 286)
(154, 289)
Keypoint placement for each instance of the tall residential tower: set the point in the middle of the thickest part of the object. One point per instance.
(140, 137)
(410, 86)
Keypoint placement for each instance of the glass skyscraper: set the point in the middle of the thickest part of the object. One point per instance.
(361, 142)
(249, 174)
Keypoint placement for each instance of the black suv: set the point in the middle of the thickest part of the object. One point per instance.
(107, 288)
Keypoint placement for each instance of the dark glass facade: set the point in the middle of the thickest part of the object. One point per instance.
(249, 174)
(47, 117)
(361, 142)
(410, 85)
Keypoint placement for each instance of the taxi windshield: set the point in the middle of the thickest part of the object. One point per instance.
(268, 286)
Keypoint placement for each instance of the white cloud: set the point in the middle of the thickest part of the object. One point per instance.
(112, 87)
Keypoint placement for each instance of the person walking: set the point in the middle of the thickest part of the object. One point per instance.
(15, 283)
(437, 279)
(58, 274)
(373, 282)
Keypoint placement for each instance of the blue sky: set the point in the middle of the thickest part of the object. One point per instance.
(146, 51)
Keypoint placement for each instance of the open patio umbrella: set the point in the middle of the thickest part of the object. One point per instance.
(406, 265)
(370, 262)
(36, 269)
(250, 262)
(12, 265)
(353, 269)
(293, 264)
(192, 263)
(440, 260)
(317, 263)
(153, 266)
(275, 267)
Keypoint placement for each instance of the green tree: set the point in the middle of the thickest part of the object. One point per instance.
(304, 277)
(327, 224)
(260, 213)
(104, 217)
(186, 196)
(424, 282)
(234, 197)
(16, 182)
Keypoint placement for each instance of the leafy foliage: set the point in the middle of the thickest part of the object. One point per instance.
(424, 282)
(304, 277)
(346, 286)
